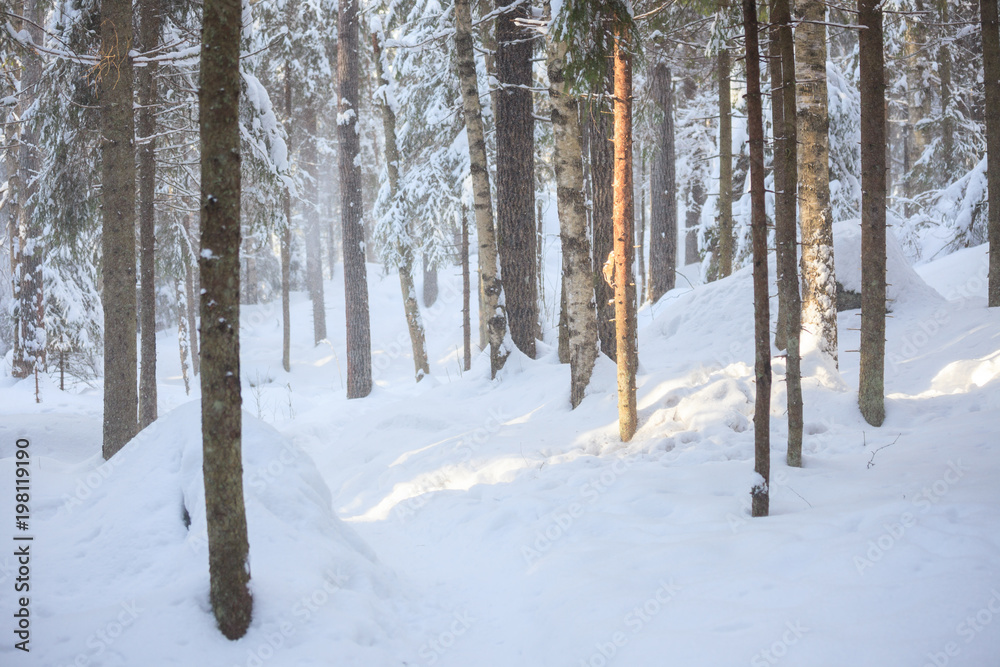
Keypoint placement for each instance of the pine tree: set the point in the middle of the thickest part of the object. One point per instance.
(724, 66)
(219, 263)
(991, 69)
(663, 192)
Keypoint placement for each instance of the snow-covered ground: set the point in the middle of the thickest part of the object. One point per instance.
(467, 522)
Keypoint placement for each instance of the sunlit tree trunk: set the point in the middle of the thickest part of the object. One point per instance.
(725, 246)
(663, 192)
(602, 155)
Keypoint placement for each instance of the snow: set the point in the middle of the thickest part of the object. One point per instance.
(463, 521)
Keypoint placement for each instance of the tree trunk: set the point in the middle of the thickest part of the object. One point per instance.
(359, 354)
(286, 242)
(725, 246)
(577, 283)
(819, 284)
(489, 273)
(944, 73)
(228, 562)
(149, 39)
(15, 192)
(430, 282)
(663, 218)
(991, 69)
(515, 128)
(762, 316)
(602, 163)
(403, 247)
(786, 177)
(183, 337)
(640, 232)
(190, 288)
(466, 294)
(873, 261)
(310, 206)
(118, 234)
(623, 217)
(917, 99)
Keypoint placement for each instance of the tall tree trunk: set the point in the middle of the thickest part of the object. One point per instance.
(403, 248)
(190, 288)
(819, 284)
(695, 201)
(149, 39)
(577, 284)
(310, 206)
(623, 216)
(489, 272)
(228, 548)
(430, 289)
(873, 195)
(359, 353)
(991, 69)
(640, 232)
(466, 294)
(602, 155)
(944, 73)
(183, 337)
(515, 128)
(725, 246)
(762, 315)
(786, 178)
(663, 218)
(118, 233)
(917, 98)
(286, 242)
(12, 207)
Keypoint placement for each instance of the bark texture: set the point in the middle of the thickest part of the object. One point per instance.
(786, 177)
(624, 282)
(578, 293)
(991, 68)
(489, 272)
(515, 128)
(286, 242)
(359, 352)
(149, 39)
(466, 295)
(873, 193)
(118, 233)
(310, 207)
(403, 249)
(602, 156)
(219, 261)
(663, 192)
(819, 284)
(762, 314)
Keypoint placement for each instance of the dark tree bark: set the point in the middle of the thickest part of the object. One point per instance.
(515, 128)
(118, 234)
(149, 39)
(786, 179)
(762, 315)
(190, 289)
(602, 160)
(725, 246)
(944, 73)
(219, 261)
(359, 354)
(642, 275)
(310, 206)
(663, 219)
(624, 282)
(991, 69)
(873, 193)
(466, 295)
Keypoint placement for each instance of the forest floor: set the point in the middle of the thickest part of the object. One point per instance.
(475, 523)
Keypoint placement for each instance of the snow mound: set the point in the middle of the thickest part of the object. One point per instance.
(904, 284)
(141, 538)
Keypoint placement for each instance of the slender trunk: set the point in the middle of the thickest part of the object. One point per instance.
(149, 38)
(623, 216)
(991, 69)
(785, 227)
(602, 162)
(873, 199)
(577, 284)
(118, 233)
(430, 290)
(219, 262)
(489, 273)
(515, 221)
(917, 98)
(183, 337)
(359, 354)
(819, 284)
(725, 247)
(13, 209)
(310, 206)
(286, 241)
(762, 316)
(640, 233)
(539, 271)
(403, 248)
(663, 223)
(944, 73)
(190, 288)
(466, 294)
(780, 147)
